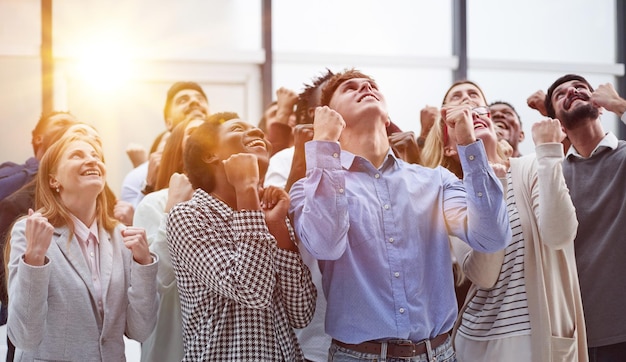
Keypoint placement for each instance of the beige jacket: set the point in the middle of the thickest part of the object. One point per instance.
(549, 224)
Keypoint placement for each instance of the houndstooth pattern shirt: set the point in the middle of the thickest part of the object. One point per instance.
(241, 295)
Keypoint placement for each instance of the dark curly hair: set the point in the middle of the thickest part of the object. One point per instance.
(201, 143)
(307, 98)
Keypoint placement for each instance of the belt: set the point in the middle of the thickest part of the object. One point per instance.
(396, 349)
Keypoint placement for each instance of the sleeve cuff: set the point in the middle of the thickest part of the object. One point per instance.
(323, 154)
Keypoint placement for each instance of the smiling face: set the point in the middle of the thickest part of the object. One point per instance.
(79, 170)
(572, 104)
(483, 125)
(463, 92)
(238, 136)
(507, 124)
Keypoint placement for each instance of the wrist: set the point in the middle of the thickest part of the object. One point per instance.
(146, 188)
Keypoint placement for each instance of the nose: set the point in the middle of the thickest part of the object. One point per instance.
(572, 90)
(256, 132)
(91, 160)
(365, 86)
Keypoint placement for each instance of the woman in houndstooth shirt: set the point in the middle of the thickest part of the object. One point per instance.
(242, 283)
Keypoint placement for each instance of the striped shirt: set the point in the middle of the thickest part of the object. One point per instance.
(502, 311)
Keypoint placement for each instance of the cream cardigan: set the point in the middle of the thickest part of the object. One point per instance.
(549, 224)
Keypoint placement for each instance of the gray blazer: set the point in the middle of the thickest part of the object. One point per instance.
(52, 309)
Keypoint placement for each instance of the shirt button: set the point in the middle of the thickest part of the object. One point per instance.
(396, 274)
(471, 157)
(386, 207)
(335, 155)
(401, 310)
(480, 194)
(377, 175)
(391, 240)
(91, 254)
(341, 191)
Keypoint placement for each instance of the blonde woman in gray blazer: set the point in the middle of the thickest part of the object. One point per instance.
(78, 280)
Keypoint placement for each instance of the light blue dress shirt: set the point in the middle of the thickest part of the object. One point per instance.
(381, 237)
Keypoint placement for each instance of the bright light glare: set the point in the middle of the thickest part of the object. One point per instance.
(104, 65)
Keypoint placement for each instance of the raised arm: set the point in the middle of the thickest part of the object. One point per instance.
(552, 204)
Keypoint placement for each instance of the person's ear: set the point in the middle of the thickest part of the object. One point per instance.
(210, 158)
(522, 136)
(449, 151)
(53, 182)
(37, 143)
(169, 124)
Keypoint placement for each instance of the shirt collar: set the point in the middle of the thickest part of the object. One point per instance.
(82, 231)
(348, 158)
(220, 207)
(608, 141)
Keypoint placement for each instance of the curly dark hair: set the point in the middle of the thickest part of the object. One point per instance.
(201, 143)
(310, 98)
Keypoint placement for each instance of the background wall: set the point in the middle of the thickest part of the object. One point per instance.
(116, 59)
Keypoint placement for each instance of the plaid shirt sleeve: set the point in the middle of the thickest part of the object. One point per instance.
(294, 280)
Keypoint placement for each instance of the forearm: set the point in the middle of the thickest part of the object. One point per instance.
(280, 231)
(298, 291)
(488, 221)
(552, 204)
(319, 205)
(482, 269)
(143, 300)
(28, 287)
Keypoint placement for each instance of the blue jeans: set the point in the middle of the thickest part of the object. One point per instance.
(443, 353)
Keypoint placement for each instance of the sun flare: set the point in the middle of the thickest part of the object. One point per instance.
(105, 65)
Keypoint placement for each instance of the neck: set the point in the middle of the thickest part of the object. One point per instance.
(223, 190)
(226, 194)
(84, 211)
(361, 141)
(586, 137)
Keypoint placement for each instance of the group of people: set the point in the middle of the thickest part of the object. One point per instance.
(325, 232)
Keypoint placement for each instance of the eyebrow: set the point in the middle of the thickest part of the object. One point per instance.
(577, 83)
(356, 81)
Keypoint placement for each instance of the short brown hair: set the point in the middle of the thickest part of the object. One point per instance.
(335, 81)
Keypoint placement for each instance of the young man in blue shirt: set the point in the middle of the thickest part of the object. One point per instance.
(379, 226)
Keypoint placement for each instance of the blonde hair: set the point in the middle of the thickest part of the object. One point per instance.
(433, 154)
(49, 203)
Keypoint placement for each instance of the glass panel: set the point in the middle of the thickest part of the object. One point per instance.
(171, 30)
(399, 27)
(576, 31)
